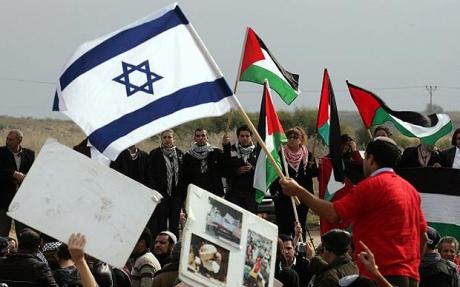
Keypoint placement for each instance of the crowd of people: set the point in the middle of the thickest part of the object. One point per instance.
(388, 226)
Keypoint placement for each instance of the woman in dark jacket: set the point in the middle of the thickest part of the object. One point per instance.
(302, 167)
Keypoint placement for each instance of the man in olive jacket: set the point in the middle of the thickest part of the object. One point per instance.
(336, 243)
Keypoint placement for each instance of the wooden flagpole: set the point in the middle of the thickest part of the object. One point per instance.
(293, 201)
(239, 106)
(237, 79)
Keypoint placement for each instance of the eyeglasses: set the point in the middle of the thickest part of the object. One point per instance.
(200, 136)
(293, 137)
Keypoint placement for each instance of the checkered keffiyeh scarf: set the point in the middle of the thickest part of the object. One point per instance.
(201, 153)
(172, 167)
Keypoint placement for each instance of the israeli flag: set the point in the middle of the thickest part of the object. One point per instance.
(140, 80)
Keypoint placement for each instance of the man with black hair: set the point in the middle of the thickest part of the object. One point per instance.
(239, 165)
(286, 275)
(451, 157)
(294, 260)
(169, 272)
(203, 164)
(435, 270)
(67, 273)
(166, 177)
(336, 244)
(385, 210)
(146, 264)
(24, 265)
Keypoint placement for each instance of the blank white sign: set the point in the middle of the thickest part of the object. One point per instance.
(66, 192)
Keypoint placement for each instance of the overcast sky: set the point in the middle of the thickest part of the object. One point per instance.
(394, 48)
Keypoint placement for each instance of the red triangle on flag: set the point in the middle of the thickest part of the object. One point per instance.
(273, 122)
(252, 51)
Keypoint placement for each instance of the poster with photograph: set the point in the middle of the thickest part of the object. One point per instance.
(208, 260)
(225, 245)
(258, 260)
(224, 222)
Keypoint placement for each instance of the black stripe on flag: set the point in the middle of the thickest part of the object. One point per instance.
(293, 79)
(433, 180)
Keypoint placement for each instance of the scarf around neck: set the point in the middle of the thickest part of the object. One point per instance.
(201, 153)
(294, 158)
(172, 167)
(244, 152)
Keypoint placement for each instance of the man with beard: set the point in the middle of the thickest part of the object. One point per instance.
(239, 165)
(203, 164)
(163, 246)
(165, 173)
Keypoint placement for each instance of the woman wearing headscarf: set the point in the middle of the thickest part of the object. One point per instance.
(302, 167)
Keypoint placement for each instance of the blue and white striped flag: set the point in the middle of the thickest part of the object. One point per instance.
(140, 80)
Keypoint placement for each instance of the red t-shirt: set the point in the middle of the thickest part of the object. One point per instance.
(385, 211)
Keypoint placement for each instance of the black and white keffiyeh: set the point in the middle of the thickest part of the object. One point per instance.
(244, 152)
(201, 153)
(172, 166)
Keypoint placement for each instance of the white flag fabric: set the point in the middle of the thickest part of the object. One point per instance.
(140, 80)
(65, 192)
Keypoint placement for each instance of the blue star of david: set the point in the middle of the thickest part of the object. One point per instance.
(143, 67)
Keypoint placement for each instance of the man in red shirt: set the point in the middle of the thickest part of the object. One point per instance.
(385, 211)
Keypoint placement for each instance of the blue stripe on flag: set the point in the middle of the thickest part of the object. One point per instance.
(208, 92)
(56, 102)
(120, 43)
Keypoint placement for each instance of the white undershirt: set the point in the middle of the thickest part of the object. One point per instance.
(456, 162)
(17, 159)
(380, 170)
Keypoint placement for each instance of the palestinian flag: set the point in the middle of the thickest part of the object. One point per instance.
(332, 181)
(439, 190)
(411, 124)
(272, 134)
(258, 64)
(328, 126)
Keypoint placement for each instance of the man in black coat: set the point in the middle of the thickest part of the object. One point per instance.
(239, 165)
(23, 266)
(15, 162)
(451, 156)
(203, 164)
(165, 176)
(133, 163)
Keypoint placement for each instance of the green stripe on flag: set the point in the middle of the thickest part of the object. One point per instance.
(324, 132)
(446, 229)
(381, 116)
(258, 74)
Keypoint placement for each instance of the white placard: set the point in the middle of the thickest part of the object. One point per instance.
(225, 245)
(65, 192)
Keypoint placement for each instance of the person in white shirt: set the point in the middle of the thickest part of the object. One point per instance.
(451, 157)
